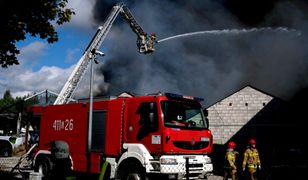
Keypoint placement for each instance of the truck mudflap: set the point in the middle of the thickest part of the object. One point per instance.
(181, 166)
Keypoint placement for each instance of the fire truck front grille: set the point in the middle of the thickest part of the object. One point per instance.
(189, 146)
(194, 170)
(195, 165)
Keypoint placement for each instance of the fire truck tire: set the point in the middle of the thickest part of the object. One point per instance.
(133, 176)
(44, 166)
(134, 172)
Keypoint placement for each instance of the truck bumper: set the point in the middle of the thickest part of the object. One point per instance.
(178, 166)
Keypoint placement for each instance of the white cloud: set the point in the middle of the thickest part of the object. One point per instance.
(21, 81)
(21, 93)
(31, 53)
(83, 17)
(70, 55)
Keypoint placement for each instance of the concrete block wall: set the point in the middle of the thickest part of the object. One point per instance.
(229, 115)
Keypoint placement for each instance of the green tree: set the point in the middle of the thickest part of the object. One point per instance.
(35, 17)
(7, 102)
(7, 95)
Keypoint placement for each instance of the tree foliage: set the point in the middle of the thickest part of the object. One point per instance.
(7, 102)
(35, 17)
(10, 108)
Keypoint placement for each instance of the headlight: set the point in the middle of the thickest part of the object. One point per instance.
(169, 161)
(204, 139)
(207, 159)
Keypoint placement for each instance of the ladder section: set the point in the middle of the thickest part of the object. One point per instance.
(80, 69)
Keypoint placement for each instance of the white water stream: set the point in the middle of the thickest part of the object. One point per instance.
(233, 32)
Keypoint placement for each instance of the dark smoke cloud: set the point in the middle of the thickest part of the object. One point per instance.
(208, 66)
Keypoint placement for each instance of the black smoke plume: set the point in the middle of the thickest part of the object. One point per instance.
(210, 66)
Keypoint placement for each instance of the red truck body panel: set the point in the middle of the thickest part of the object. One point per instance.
(114, 128)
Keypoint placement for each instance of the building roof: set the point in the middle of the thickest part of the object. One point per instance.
(240, 89)
(43, 98)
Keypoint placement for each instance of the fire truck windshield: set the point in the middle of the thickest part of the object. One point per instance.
(183, 115)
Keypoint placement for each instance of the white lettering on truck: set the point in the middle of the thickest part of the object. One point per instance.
(63, 125)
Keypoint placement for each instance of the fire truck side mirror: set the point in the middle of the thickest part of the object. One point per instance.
(148, 116)
(152, 117)
(206, 113)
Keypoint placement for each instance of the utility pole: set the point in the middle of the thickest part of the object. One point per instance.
(94, 55)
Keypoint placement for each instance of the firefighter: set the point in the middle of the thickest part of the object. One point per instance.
(152, 41)
(142, 42)
(62, 165)
(251, 159)
(230, 162)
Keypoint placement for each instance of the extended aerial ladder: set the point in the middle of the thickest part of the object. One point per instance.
(92, 49)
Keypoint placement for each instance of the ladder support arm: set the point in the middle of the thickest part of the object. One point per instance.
(143, 43)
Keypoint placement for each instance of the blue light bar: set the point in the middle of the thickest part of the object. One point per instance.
(179, 96)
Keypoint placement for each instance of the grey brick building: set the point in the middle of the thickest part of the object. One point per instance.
(229, 115)
(277, 125)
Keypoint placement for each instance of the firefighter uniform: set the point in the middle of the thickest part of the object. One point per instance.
(251, 160)
(230, 162)
(144, 42)
(152, 41)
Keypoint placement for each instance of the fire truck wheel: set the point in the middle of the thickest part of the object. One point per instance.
(135, 174)
(44, 166)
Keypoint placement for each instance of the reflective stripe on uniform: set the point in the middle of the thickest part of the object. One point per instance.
(252, 166)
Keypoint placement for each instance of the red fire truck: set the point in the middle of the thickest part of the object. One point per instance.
(159, 134)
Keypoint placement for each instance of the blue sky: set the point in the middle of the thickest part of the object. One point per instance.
(47, 66)
(62, 53)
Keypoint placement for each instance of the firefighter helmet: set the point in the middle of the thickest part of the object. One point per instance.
(231, 145)
(60, 149)
(252, 141)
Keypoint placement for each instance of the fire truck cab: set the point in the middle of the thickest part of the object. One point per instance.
(139, 136)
